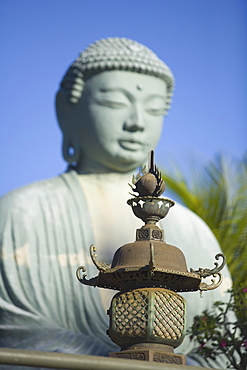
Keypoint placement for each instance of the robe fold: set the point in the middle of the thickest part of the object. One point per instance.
(45, 234)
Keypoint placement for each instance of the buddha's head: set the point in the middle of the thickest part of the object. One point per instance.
(111, 104)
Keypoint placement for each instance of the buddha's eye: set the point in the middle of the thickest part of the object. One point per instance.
(156, 111)
(111, 103)
(155, 106)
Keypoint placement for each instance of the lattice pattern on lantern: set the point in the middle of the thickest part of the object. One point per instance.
(131, 309)
(169, 312)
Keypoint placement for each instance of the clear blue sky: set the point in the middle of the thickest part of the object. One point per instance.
(203, 41)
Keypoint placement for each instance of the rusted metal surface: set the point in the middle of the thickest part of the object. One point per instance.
(147, 315)
(150, 209)
(151, 352)
(147, 262)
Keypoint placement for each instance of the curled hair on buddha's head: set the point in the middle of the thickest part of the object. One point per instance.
(114, 54)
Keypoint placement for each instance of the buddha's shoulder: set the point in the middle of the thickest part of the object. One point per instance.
(185, 216)
(28, 195)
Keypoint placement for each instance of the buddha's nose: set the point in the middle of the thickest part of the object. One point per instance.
(134, 121)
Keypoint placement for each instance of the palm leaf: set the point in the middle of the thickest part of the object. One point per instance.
(218, 194)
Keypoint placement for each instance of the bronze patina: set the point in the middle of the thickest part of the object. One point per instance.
(147, 316)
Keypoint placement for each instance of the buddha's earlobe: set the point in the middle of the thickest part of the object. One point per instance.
(71, 152)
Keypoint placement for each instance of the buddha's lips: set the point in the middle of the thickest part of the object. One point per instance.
(130, 144)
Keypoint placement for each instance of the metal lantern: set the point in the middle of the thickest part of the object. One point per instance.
(147, 316)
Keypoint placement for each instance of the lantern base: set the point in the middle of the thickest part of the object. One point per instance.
(151, 352)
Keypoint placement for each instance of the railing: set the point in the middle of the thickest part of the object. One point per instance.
(80, 362)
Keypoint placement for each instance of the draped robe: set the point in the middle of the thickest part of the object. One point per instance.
(46, 229)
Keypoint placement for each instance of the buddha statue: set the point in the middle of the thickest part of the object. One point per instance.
(110, 108)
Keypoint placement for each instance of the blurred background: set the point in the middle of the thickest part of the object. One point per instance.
(203, 42)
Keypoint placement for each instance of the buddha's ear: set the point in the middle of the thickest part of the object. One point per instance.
(71, 145)
(62, 109)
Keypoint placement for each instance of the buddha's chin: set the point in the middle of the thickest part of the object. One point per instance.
(127, 161)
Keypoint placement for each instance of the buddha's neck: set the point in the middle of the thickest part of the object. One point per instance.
(91, 167)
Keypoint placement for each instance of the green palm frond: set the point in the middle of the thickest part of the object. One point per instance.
(218, 194)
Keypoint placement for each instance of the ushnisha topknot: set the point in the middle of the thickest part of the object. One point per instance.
(114, 54)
